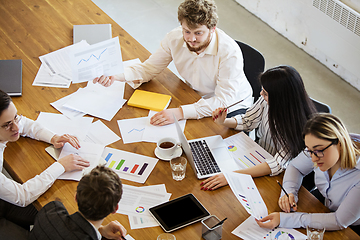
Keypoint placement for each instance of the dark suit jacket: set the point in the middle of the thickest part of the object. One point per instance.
(54, 222)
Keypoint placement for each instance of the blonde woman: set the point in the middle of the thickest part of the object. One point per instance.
(335, 160)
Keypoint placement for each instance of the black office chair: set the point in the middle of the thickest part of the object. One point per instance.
(321, 107)
(254, 64)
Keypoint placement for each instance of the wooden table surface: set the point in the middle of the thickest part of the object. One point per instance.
(29, 29)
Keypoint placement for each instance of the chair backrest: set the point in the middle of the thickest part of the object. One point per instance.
(321, 107)
(254, 64)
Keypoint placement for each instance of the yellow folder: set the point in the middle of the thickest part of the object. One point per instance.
(149, 100)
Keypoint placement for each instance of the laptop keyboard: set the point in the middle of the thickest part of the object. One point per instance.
(203, 158)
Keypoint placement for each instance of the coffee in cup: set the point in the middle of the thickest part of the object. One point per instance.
(167, 147)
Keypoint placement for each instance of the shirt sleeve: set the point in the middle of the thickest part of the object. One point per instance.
(153, 66)
(24, 194)
(252, 118)
(32, 129)
(347, 213)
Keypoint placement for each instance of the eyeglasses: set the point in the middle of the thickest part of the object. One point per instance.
(317, 153)
(7, 126)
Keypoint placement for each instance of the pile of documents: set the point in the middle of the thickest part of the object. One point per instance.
(136, 201)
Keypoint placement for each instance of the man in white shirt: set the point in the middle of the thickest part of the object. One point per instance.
(16, 211)
(209, 61)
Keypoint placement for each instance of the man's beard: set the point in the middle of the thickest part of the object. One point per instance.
(201, 47)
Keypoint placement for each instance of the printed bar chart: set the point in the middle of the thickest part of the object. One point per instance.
(128, 165)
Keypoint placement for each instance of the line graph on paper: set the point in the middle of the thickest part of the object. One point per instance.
(92, 56)
(137, 130)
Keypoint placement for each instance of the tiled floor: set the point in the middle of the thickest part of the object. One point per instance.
(149, 20)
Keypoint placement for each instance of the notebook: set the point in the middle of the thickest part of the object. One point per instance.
(92, 33)
(213, 147)
(179, 212)
(149, 100)
(11, 76)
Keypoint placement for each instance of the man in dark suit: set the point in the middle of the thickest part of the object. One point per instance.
(98, 194)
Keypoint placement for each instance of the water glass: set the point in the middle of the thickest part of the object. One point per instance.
(178, 168)
(166, 236)
(315, 231)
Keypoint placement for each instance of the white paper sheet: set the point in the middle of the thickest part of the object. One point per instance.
(246, 192)
(250, 230)
(245, 151)
(60, 124)
(155, 133)
(68, 112)
(97, 100)
(132, 129)
(58, 61)
(103, 58)
(129, 166)
(89, 151)
(136, 201)
(44, 78)
(99, 133)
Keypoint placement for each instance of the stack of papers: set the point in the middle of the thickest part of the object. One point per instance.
(79, 62)
(136, 201)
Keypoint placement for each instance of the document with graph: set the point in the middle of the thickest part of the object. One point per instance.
(246, 192)
(245, 151)
(128, 165)
(103, 58)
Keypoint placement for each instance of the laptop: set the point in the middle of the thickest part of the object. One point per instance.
(11, 76)
(207, 156)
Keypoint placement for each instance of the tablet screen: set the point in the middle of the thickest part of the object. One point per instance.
(179, 212)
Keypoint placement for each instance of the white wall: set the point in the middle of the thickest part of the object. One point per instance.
(313, 31)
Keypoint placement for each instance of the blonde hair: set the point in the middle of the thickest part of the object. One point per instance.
(329, 127)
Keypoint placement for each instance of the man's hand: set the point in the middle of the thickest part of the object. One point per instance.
(113, 230)
(59, 141)
(214, 182)
(73, 162)
(166, 116)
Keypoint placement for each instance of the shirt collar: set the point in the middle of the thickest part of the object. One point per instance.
(97, 231)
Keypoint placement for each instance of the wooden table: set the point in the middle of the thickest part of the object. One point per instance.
(30, 29)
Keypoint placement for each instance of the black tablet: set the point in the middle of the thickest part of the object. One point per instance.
(179, 212)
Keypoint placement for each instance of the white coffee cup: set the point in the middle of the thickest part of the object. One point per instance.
(167, 146)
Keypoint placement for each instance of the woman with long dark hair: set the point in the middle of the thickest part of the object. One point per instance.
(279, 115)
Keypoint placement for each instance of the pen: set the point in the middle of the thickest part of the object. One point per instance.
(231, 105)
(284, 191)
(219, 223)
(122, 237)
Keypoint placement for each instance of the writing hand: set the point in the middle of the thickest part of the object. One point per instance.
(286, 203)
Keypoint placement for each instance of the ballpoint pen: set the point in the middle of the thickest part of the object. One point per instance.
(294, 204)
(231, 106)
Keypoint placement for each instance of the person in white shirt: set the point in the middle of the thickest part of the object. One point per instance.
(16, 211)
(208, 59)
(335, 159)
(279, 114)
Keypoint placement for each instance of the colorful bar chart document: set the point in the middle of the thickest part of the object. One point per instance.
(245, 151)
(129, 166)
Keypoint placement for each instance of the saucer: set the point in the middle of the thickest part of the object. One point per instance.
(177, 153)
